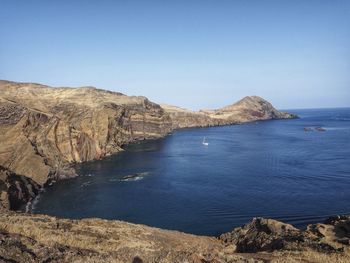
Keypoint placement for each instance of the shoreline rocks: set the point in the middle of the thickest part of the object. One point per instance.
(16, 190)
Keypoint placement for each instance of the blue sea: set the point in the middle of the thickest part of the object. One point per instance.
(273, 169)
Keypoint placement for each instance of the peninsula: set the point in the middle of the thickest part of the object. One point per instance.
(45, 130)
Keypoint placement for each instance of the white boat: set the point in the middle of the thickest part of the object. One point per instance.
(204, 142)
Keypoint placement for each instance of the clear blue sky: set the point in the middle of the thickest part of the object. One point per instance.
(194, 54)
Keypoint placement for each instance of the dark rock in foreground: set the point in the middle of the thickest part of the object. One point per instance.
(16, 191)
(269, 235)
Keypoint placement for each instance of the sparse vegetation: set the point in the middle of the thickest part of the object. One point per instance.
(36, 238)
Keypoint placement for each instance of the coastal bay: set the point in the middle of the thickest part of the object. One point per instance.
(272, 169)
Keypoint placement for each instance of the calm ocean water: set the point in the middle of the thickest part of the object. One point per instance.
(272, 169)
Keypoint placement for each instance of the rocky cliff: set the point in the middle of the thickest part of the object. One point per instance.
(45, 130)
(39, 238)
(16, 190)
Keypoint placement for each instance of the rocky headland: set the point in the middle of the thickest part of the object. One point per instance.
(248, 109)
(45, 130)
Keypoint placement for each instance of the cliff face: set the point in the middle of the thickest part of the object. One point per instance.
(16, 190)
(44, 130)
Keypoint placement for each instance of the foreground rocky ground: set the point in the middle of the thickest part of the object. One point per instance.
(40, 238)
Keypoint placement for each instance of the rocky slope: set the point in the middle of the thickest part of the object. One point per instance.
(44, 130)
(269, 235)
(184, 118)
(248, 109)
(39, 238)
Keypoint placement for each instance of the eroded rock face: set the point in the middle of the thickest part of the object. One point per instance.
(334, 231)
(16, 190)
(262, 235)
(269, 235)
(44, 130)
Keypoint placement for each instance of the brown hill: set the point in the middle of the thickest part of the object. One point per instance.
(248, 109)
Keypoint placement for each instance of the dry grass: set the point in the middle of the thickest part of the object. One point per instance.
(108, 237)
(310, 257)
(124, 240)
